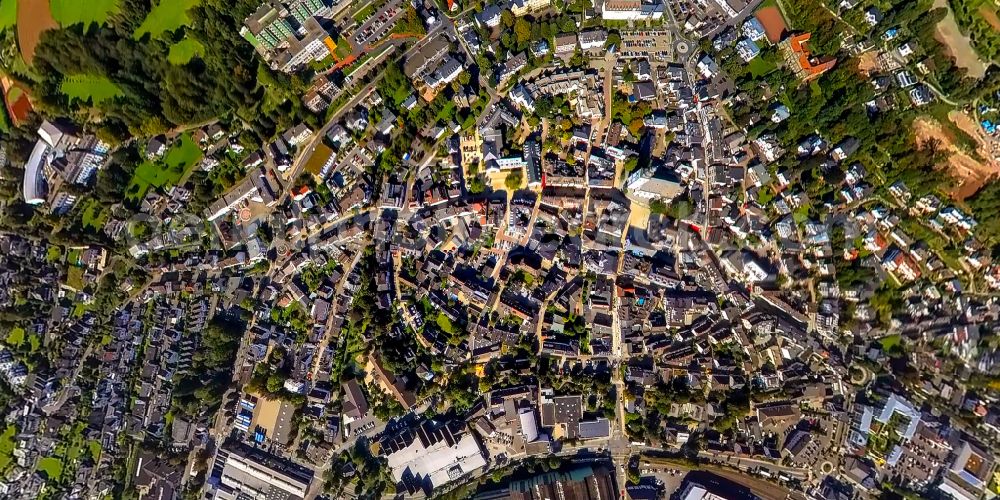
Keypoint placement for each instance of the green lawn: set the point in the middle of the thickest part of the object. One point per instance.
(14, 94)
(343, 47)
(7, 447)
(447, 113)
(73, 257)
(184, 50)
(53, 254)
(890, 341)
(34, 342)
(815, 88)
(94, 89)
(4, 117)
(323, 64)
(94, 216)
(181, 156)
(95, 449)
(801, 214)
(74, 277)
(8, 13)
(166, 16)
(15, 338)
(765, 195)
(760, 66)
(70, 12)
(52, 467)
(445, 324)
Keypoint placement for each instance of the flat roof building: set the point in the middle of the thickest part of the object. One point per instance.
(431, 454)
(244, 472)
(632, 10)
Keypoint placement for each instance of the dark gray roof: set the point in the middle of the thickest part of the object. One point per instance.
(600, 428)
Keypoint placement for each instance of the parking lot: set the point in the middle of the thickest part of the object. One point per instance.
(376, 27)
(368, 426)
(669, 478)
(654, 44)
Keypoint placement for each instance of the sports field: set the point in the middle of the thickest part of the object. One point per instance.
(773, 22)
(33, 19)
(18, 106)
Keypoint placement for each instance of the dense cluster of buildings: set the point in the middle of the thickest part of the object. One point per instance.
(571, 264)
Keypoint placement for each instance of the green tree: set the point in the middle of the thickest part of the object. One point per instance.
(275, 383)
(514, 178)
(522, 31)
(614, 39)
(507, 18)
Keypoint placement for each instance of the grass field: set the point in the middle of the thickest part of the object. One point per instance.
(179, 158)
(53, 254)
(95, 449)
(760, 66)
(185, 50)
(15, 338)
(74, 277)
(94, 215)
(52, 467)
(801, 214)
(94, 89)
(323, 64)
(7, 447)
(8, 14)
(343, 47)
(319, 157)
(70, 12)
(73, 257)
(4, 119)
(166, 16)
(890, 341)
(447, 112)
(445, 324)
(14, 93)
